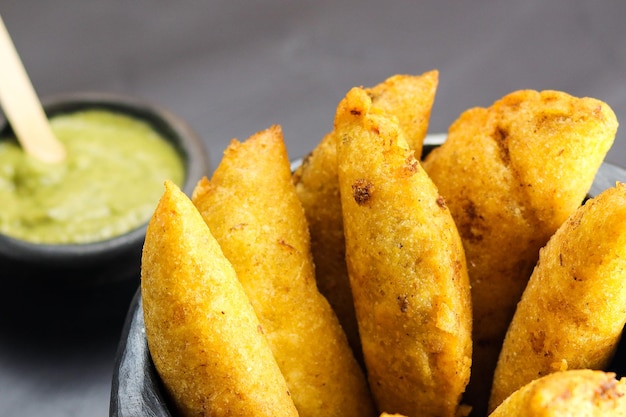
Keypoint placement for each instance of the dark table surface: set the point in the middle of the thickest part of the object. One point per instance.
(234, 68)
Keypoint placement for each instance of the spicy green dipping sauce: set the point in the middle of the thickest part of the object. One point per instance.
(109, 183)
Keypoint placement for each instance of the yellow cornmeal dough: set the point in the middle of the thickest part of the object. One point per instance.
(511, 174)
(574, 308)
(254, 213)
(409, 98)
(204, 338)
(568, 393)
(406, 266)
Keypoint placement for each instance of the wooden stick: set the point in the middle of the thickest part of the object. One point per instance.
(22, 107)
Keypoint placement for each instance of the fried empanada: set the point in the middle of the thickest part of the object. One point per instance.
(573, 309)
(406, 266)
(511, 175)
(251, 206)
(204, 337)
(409, 98)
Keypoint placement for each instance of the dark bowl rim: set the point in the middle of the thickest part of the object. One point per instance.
(188, 143)
(132, 353)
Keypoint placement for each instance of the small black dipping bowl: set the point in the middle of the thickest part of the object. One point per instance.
(136, 388)
(51, 285)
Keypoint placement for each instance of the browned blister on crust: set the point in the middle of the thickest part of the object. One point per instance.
(251, 206)
(410, 99)
(581, 392)
(204, 338)
(511, 174)
(406, 267)
(573, 310)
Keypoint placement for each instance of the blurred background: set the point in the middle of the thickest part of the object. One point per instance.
(233, 68)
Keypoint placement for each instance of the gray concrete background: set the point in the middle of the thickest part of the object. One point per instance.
(233, 68)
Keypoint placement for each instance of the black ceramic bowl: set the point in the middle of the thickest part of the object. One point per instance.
(136, 388)
(70, 278)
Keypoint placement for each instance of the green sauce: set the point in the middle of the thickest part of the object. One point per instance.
(108, 185)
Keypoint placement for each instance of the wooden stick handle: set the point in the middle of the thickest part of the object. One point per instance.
(22, 107)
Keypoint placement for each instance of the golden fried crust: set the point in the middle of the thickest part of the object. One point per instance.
(318, 190)
(511, 175)
(204, 337)
(406, 267)
(568, 393)
(410, 99)
(574, 308)
(252, 209)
